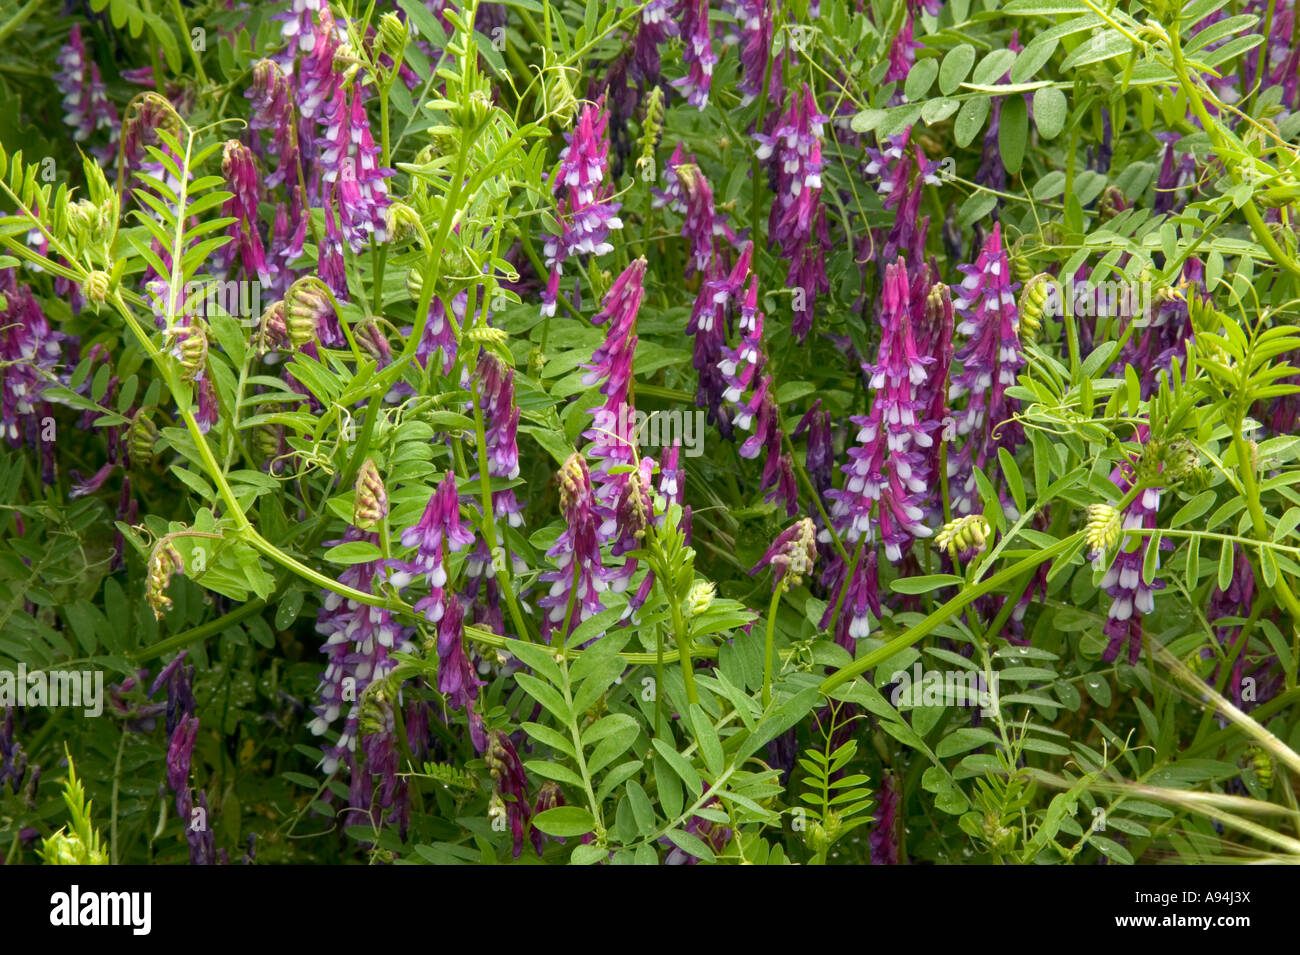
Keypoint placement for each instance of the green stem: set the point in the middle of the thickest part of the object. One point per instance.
(769, 642)
(948, 610)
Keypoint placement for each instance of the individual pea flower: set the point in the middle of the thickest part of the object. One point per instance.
(964, 537)
(819, 454)
(178, 677)
(510, 785)
(86, 107)
(697, 53)
(797, 222)
(991, 359)
(902, 53)
(164, 563)
(713, 834)
(13, 761)
(371, 499)
(180, 750)
(438, 530)
(792, 554)
(657, 26)
(329, 259)
(585, 212)
(580, 577)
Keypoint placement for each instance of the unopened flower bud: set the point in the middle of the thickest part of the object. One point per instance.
(701, 597)
(485, 335)
(1035, 302)
(792, 554)
(403, 222)
(95, 288)
(164, 562)
(966, 536)
(143, 437)
(371, 505)
(392, 38)
(307, 304)
(1102, 530)
(414, 284)
(370, 336)
(190, 347)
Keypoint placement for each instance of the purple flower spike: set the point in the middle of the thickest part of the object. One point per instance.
(586, 215)
(439, 526)
(455, 675)
(697, 53)
(243, 182)
(86, 107)
(510, 783)
(797, 223)
(1130, 595)
(991, 359)
(580, 578)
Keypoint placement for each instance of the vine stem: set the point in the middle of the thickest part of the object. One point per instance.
(948, 610)
(768, 643)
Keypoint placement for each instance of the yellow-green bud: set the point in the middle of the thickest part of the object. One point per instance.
(371, 504)
(967, 534)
